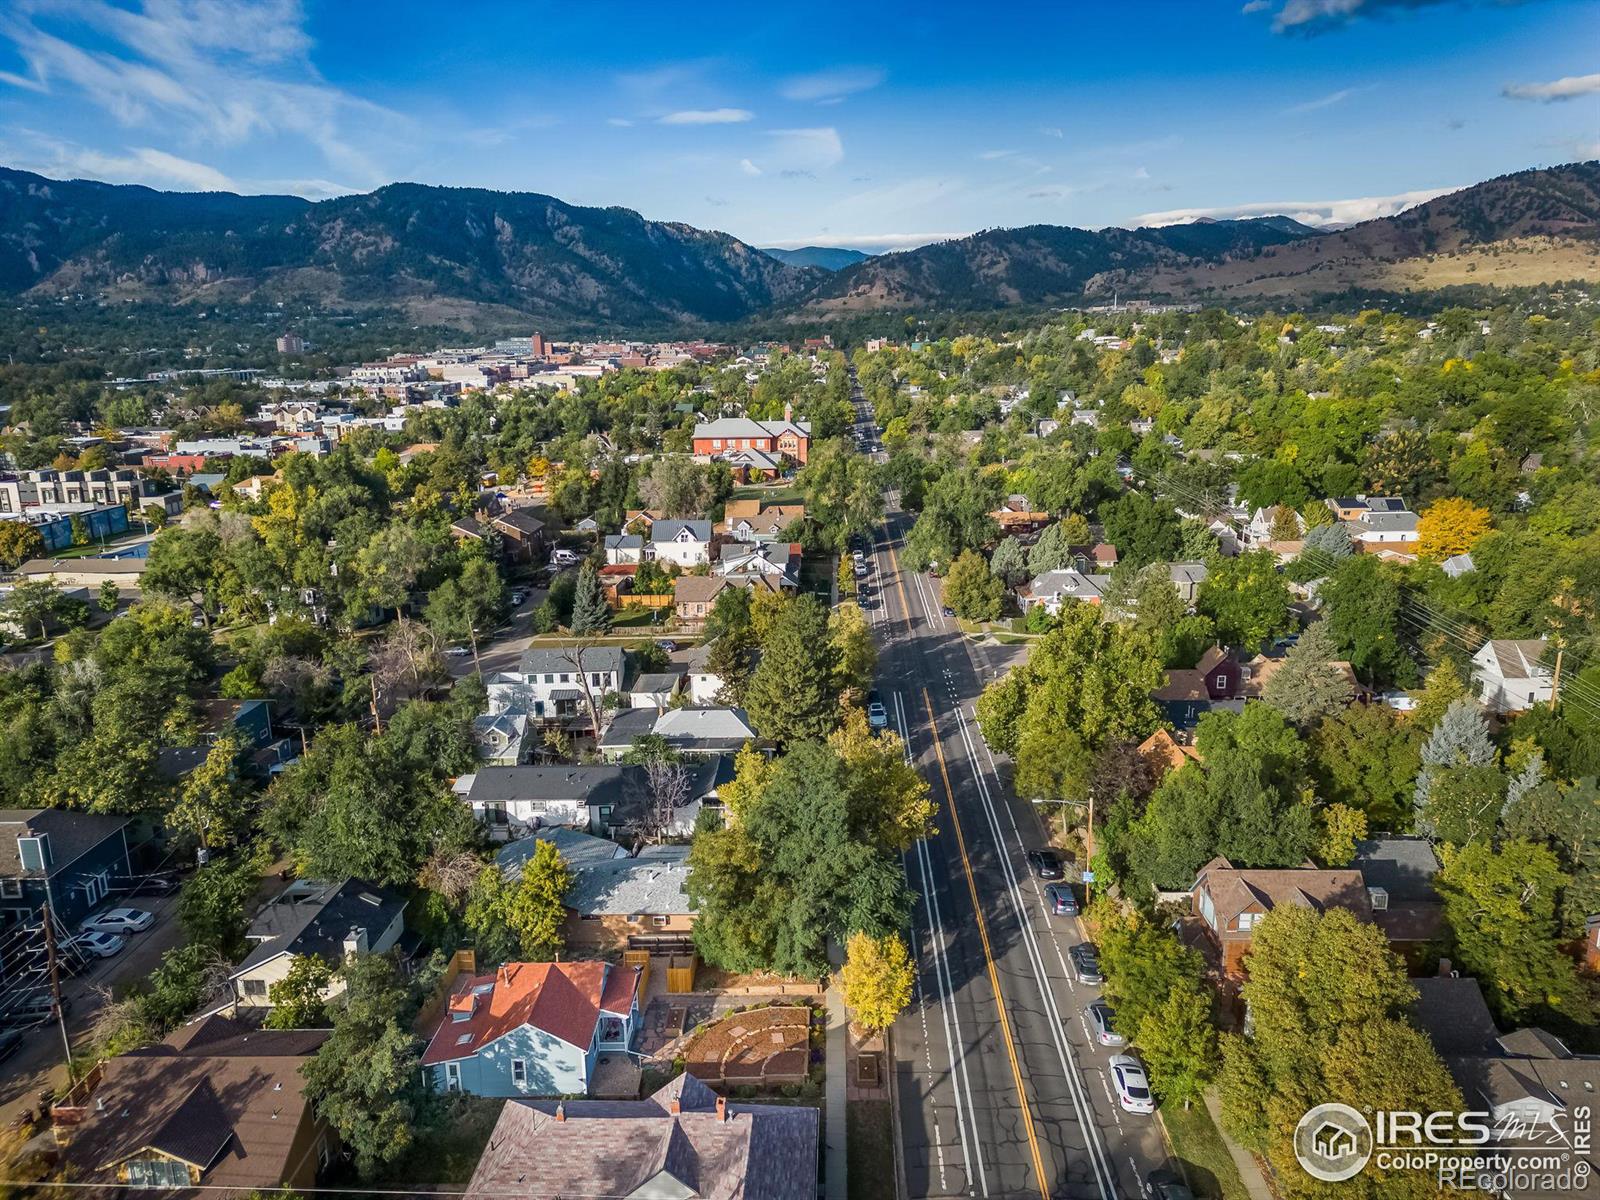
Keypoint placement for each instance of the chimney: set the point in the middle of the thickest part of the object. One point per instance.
(722, 1108)
(355, 942)
(788, 412)
(676, 1106)
(561, 1111)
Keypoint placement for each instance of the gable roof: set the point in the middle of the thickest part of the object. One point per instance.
(745, 427)
(1516, 658)
(652, 883)
(313, 918)
(1234, 890)
(1402, 866)
(578, 850)
(219, 1095)
(675, 1141)
(562, 999)
(72, 834)
(590, 659)
(673, 531)
(1451, 1011)
(588, 783)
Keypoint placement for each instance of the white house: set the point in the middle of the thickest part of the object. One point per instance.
(1509, 675)
(1376, 528)
(624, 548)
(332, 921)
(687, 543)
(554, 685)
(777, 561)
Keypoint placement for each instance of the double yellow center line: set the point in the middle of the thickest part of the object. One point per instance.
(977, 908)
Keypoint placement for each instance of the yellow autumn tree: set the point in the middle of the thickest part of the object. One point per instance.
(876, 979)
(891, 795)
(752, 771)
(1449, 527)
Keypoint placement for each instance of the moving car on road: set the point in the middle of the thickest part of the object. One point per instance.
(1131, 1084)
(1061, 901)
(1086, 964)
(1100, 1016)
(877, 715)
(118, 920)
(1046, 864)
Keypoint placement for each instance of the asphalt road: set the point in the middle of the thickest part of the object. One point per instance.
(1002, 1091)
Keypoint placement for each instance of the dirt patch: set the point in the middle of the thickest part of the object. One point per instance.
(759, 1047)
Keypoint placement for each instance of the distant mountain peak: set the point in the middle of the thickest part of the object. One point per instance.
(829, 258)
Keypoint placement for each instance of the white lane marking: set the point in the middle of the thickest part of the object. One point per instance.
(960, 1077)
(1105, 1176)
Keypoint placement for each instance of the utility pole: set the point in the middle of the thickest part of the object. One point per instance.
(1555, 681)
(377, 721)
(1088, 886)
(55, 990)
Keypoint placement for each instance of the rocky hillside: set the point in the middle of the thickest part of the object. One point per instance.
(405, 243)
(1531, 227)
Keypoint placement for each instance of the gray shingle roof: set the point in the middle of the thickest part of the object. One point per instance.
(71, 835)
(653, 884)
(558, 660)
(589, 784)
(579, 850)
(318, 923)
(1402, 866)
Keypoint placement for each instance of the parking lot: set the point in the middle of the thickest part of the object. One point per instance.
(39, 1061)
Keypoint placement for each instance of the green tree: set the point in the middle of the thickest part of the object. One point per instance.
(109, 596)
(534, 909)
(793, 692)
(33, 603)
(471, 603)
(676, 487)
(298, 998)
(841, 495)
(1143, 530)
(590, 612)
(365, 1081)
(971, 591)
(391, 563)
(1364, 758)
(1458, 754)
(852, 641)
(212, 803)
(1247, 598)
(1327, 999)
(1179, 1043)
(1501, 906)
(211, 906)
(1307, 687)
(1443, 688)
(18, 543)
(1009, 562)
(1053, 550)
(1363, 602)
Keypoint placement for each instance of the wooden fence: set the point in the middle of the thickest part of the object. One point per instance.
(461, 962)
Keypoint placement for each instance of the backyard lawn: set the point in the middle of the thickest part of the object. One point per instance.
(1198, 1145)
(775, 493)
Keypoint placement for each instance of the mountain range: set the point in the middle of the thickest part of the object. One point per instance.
(473, 257)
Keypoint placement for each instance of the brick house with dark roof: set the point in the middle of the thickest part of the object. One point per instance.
(1228, 902)
(684, 1142)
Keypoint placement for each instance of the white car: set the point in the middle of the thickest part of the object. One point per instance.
(101, 945)
(1132, 1084)
(458, 651)
(118, 920)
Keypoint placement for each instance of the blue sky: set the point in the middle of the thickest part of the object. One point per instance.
(878, 126)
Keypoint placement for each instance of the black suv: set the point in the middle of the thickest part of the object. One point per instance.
(1046, 864)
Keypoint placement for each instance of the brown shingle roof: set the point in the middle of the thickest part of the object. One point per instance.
(1234, 890)
(599, 1147)
(216, 1094)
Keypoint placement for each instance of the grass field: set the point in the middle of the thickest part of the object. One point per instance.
(1198, 1145)
(769, 493)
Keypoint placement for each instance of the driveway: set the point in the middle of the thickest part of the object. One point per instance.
(39, 1063)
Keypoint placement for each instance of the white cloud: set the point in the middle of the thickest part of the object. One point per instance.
(143, 164)
(1309, 212)
(1321, 102)
(990, 155)
(708, 116)
(1051, 131)
(828, 87)
(23, 81)
(748, 167)
(1568, 88)
(215, 72)
(619, 122)
(872, 243)
(807, 149)
(1322, 16)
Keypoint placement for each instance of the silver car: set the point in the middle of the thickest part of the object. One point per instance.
(1100, 1017)
(100, 945)
(118, 920)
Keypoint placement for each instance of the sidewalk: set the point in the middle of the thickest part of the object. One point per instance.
(836, 1160)
(1250, 1174)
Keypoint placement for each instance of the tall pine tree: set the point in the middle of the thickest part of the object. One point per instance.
(590, 612)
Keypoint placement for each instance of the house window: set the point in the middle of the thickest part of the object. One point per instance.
(565, 678)
(157, 1173)
(255, 987)
(519, 1073)
(594, 679)
(324, 1154)
(1222, 681)
(660, 922)
(11, 889)
(1247, 921)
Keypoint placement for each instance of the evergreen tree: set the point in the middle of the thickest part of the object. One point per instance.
(1009, 562)
(1461, 739)
(590, 612)
(1306, 688)
(794, 691)
(1053, 550)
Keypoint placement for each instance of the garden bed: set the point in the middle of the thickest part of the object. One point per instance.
(759, 1047)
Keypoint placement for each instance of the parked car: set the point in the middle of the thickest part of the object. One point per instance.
(148, 885)
(1101, 1017)
(458, 651)
(118, 920)
(1086, 964)
(564, 558)
(1168, 1185)
(100, 945)
(948, 612)
(667, 644)
(861, 570)
(1060, 899)
(517, 598)
(1131, 1084)
(33, 1007)
(1046, 864)
(877, 715)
